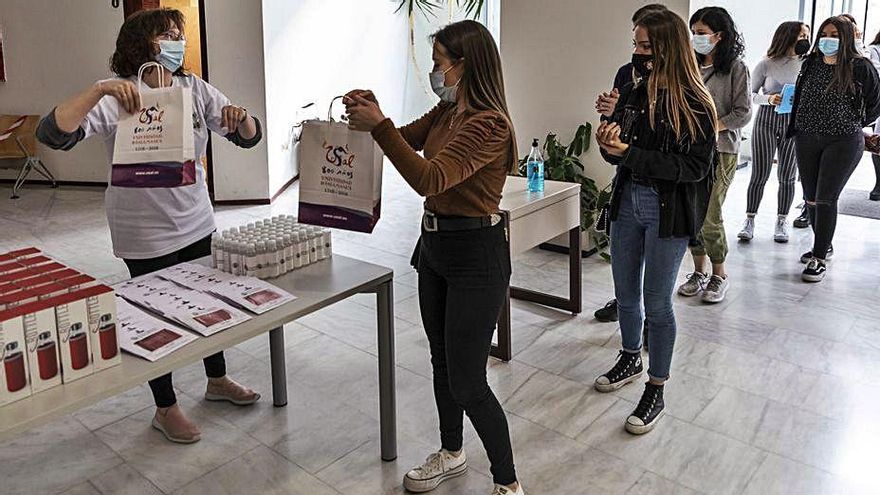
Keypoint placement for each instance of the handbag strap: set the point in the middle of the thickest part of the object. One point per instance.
(330, 110)
(141, 74)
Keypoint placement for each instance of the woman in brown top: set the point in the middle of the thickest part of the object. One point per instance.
(463, 258)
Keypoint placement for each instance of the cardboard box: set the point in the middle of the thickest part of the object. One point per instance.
(18, 255)
(15, 380)
(101, 305)
(77, 283)
(20, 297)
(65, 274)
(72, 319)
(31, 272)
(41, 339)
(23, 264)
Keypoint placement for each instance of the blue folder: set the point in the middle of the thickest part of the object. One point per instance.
(787, 99)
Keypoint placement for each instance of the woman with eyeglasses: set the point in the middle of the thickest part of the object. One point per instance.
(154, 228)
(719, 49)
(661, 137)
(779, 68)
(836, 97)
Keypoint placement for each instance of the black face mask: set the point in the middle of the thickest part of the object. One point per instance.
(642, 64)
(802, 47)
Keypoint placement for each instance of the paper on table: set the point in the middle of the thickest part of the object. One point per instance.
(146, 336)
(192, 309)
(787, 103)
(252, 294)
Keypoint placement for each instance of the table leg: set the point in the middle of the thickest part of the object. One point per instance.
(279, 368)
(387, 386)
(573, 302)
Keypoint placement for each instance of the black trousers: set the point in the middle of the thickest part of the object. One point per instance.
(463, 282)
(825, 164)
(215, 365)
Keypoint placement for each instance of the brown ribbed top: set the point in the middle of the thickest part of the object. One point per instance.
(467, 158)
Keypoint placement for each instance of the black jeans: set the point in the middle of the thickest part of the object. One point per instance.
(215, 365)
(825, 164)
(463, 283)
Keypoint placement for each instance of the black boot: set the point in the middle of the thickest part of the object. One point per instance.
(648, 412)
(803, 220)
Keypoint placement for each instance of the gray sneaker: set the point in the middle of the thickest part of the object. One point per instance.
(781, 233)
(695, 284)
(748, 230)
(716, 289)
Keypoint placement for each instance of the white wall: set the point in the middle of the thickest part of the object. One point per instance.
(235, 66)
(556, 60)
(53, 49)
(315, 50)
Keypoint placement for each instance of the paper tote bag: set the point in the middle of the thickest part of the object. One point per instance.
(340, 177)
(155, 146)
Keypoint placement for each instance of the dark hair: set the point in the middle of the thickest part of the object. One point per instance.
(647, 9)
(846, 53)
(134, 44)
(876, 39)
(784, 38)
(849, 17)
(483, 79)
(731, 46)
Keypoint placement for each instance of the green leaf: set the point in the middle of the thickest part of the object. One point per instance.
(472, 8)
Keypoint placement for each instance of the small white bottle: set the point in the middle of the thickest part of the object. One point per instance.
(297, 252)
(227, 255)
(237, 258)
(215, 240)
(313, 246)
(250, 260)
(287, 253)
(261, 259)
(272, 254)
(327, 237)
(303, 243)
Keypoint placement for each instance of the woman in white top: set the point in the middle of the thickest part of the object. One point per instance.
(155, 227)
(779, 69)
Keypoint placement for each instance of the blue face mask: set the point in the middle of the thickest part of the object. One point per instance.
(702, 44)
(829, 46)
(171, 54)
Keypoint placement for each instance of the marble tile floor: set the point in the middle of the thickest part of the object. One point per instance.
(772, 391)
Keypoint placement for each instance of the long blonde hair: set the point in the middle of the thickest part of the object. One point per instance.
(483, 80)
(675, 69)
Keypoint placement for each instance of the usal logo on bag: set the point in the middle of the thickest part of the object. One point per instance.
(341, 159)
(148, 135)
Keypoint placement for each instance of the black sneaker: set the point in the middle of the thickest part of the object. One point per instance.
(802, 221)
(628, 369)
(806, 257)
(875, 194)
(607, 313)
(815, 271)
(649, 410)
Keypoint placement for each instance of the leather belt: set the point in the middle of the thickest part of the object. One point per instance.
(433, 223)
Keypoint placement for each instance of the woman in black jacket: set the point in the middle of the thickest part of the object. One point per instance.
(837, 95)
(662, 137)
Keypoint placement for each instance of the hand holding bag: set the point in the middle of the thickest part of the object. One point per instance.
(154, 147)
(340, 176)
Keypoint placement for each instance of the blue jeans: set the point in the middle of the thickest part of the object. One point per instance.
(637, 247)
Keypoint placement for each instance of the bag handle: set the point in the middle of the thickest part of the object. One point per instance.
(141, 74)
(330, 110)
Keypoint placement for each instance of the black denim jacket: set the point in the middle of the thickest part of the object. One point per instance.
(682, 170)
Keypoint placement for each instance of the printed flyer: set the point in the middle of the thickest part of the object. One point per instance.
(252, 294)
(146, 336)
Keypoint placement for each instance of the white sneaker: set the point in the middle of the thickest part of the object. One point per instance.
(438, 467)
(695, 284)
(748, 230)
(503, 490)
(716, 289)
(781, 232)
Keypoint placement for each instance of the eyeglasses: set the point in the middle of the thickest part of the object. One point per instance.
(171, 36)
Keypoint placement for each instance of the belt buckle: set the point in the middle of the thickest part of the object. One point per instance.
(429, 222)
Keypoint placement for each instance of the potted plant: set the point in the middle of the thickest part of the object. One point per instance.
(563, 163)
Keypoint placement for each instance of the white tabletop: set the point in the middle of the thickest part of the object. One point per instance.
(519, 201)
(315, 287)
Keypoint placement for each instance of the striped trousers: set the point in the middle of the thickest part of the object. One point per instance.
(768, 139)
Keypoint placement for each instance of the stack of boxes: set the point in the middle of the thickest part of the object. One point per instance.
(56, 325)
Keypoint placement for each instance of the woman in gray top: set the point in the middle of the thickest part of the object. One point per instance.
(779, 69)
(719, 48)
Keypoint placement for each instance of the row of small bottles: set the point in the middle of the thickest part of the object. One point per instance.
(269, 248)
